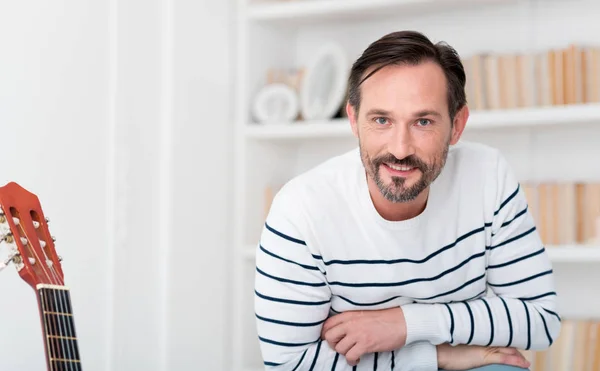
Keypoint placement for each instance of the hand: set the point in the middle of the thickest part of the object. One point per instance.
(464, 357)
(355, 333)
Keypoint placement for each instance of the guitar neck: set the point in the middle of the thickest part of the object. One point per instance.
(60, 339)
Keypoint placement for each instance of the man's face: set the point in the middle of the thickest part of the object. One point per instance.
(404, 128)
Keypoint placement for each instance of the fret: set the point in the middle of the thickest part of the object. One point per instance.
(59, 328)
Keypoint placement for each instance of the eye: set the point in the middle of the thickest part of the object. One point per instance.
(381, 120)
(424, 122)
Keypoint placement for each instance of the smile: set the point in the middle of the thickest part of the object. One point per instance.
(399, 170)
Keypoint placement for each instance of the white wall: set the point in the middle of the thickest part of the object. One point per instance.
(117, 114)
(53, 114)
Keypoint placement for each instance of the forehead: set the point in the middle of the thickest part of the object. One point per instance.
(399, 88)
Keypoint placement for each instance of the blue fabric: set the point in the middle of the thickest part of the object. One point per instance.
(497, 368)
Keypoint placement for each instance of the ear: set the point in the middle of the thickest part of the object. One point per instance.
(460, 121)
(351, 113)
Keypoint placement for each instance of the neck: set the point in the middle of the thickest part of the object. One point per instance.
(394, 211)
(60, 340)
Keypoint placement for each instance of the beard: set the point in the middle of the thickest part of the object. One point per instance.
(397, 191)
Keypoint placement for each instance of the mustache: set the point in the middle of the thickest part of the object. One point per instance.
(411, 161)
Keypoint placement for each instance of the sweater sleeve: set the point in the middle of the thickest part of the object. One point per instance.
(292, 300)
(522, 310)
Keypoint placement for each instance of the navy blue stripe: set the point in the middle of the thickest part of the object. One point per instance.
(337, 355)
(280, 343)
(309, 267)
(472, 323)
(528, 326)
(517, 259)
(287, 301)
(508, 199)
(470, 282)
(267, 363)
(522, 212)
(539, 296)
(491, 322)
(510, 328)
(451, 323)
(285, 323)
(314, 362)
(550, 341)
(471, 298)
(515, 238)
(429, 298)
(415, 261)
(393, 360)
(283, 235)
(407, 282)
(553, 313)
(301, 359)
(300, 283)
(521, 280)
(368, 304)
(375, 362)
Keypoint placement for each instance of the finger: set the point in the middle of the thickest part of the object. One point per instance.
(333, 321)
(354, 354)
(512, 351)
(344, 345)
(509, 359)
(334, 335)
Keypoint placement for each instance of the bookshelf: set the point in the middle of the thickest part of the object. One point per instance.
(478, 121)
(310, 11)
(554, 141)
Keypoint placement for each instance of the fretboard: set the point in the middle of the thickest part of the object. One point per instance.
(60, 339)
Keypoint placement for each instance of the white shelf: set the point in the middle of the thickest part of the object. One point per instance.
(297, 12)
(525, 117)
(557, 254)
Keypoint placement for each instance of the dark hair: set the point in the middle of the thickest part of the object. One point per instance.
(410, 47)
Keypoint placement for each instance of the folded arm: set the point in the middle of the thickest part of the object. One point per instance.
(523, 312)
(292, 301)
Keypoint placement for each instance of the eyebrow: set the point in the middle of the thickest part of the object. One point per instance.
(378, 112)
(427, 113)
(382, 112)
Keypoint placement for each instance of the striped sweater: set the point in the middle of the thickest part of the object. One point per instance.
(470, 269)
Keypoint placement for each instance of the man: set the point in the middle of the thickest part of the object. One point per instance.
(413, 252)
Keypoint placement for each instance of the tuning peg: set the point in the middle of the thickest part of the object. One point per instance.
(59, 258)
(8, 238)
(47, 220)
(36, 225)
(53, 239)
(5, 263)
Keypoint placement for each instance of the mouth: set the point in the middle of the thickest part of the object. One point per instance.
(399, 170)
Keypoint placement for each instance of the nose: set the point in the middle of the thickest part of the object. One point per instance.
(401, 142)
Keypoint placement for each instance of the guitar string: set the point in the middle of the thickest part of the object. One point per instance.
(59, 282)
(58, 318)
(50, 328)
(66, 334)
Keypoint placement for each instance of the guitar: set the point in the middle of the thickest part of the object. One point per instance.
(24, 229)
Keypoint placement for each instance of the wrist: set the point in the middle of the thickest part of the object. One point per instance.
(442, 355)
(426, 322)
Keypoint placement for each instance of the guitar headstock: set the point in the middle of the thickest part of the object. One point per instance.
(24, 229)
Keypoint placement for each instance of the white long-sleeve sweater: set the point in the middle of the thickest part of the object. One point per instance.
(470, 269)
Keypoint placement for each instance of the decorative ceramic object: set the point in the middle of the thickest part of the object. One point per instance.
(275, 103)
(324, 84)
